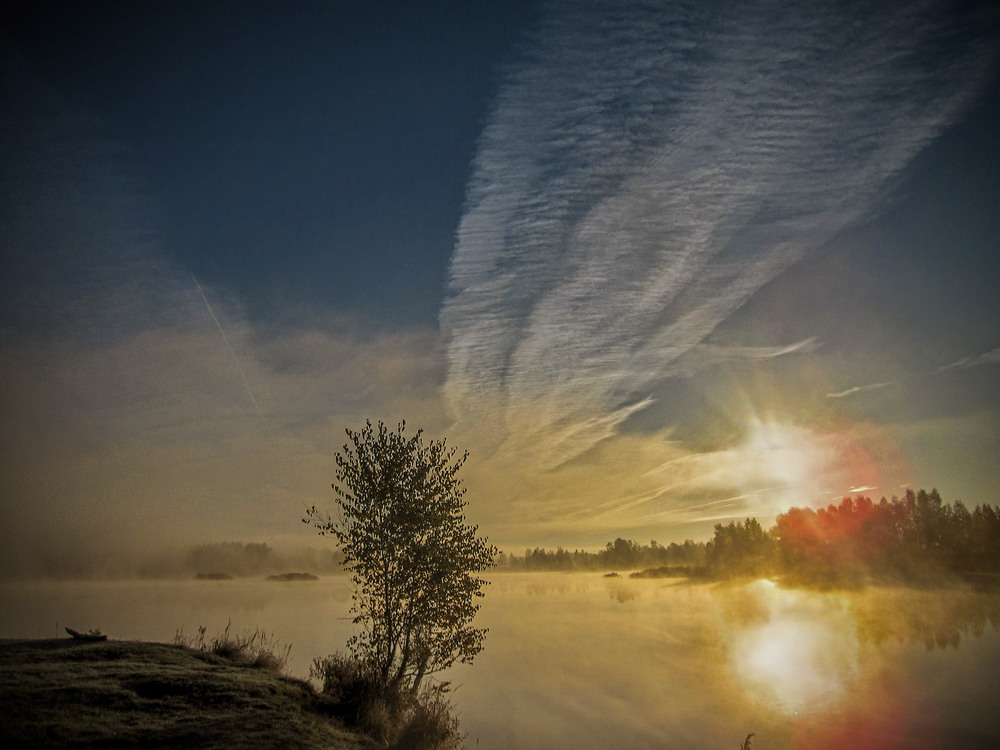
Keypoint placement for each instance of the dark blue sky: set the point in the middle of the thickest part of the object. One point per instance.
(312, 155)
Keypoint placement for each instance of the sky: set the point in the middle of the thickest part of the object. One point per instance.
(655, 265)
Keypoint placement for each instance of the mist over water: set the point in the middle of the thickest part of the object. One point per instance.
(581, 661)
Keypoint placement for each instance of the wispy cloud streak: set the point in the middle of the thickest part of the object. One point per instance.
(861, 389)
(648, 168)
(991, 357)
(225, 338)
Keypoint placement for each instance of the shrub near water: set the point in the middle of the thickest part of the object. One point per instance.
(252, 648)
(399, 719)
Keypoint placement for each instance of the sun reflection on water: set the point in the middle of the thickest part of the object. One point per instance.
(795, 651)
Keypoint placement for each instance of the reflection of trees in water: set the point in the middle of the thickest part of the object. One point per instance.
(938, 619)
(547, 586)
(543, 585)
(621, 594)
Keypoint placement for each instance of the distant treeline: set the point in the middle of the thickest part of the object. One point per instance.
(213, 560)
(621, 554)
(915, 537)
(241, 560)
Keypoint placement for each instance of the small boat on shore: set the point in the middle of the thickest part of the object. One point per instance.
(87, 636)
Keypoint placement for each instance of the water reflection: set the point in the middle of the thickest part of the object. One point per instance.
(937, 619)
(799, 650)
(576, 660)
(796, 650)
(621, 594)
(580, 661)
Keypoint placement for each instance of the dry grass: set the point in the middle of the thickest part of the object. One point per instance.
(252, 648)
(116, 694)
(398, 720)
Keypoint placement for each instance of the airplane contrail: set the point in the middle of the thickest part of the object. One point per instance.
(246, 383)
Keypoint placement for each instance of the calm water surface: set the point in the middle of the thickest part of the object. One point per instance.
(581, 661)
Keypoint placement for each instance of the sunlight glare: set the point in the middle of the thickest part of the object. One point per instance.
(801, 656)
(789, 461)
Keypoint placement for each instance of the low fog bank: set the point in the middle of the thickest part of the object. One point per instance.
(215, 559)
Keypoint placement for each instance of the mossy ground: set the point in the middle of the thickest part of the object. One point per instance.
(116, 694)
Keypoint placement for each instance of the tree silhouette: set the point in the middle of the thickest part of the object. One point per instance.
(740, 548)
(413, 559)
(914, 537)
(917, 538)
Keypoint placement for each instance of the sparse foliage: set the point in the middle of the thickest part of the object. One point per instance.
(196, 643)
(421, 721)
(413, 559)
(252, 648)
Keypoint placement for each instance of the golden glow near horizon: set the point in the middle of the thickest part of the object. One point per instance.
(651, 485)
(180, 404)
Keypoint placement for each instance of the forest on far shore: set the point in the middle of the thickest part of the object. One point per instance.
(914, 538)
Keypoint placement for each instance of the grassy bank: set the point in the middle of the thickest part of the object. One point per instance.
(66, 693)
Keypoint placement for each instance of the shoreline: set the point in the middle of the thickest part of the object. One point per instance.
(64, 692)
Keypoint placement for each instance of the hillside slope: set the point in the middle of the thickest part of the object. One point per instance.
(67, 693)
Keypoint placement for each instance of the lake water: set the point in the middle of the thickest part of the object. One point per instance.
(582, 661)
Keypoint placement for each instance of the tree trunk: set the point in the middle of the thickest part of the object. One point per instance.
(420, 674)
